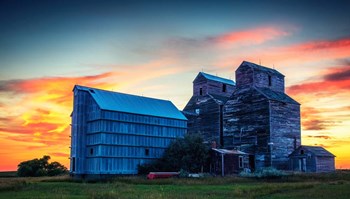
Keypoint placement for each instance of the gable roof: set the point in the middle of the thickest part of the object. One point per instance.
(261, 68)
(277, 96)
(216, 78)
(121, 102)
(315, 150)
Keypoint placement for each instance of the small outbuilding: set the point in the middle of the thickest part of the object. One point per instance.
(311, 159)
(226, 162)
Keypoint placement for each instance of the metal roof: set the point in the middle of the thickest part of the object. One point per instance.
(121, 102)
(226, 151)
(217, 79)
(277, 96)
(316, 150)
(261, 68)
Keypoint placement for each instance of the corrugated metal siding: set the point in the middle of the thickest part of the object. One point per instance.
(110, 142)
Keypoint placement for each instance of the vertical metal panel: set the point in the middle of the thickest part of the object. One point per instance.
(118, 141)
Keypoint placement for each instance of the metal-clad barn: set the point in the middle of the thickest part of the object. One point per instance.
(112, 133)
(311, 159)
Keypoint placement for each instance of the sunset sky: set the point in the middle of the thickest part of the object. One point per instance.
(156, 49)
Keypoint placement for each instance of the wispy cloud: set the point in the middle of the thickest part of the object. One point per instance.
(232, 39)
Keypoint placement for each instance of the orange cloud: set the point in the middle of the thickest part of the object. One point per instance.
(38, 119)
(251, 36)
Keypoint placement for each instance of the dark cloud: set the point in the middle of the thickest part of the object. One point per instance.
(341, 74)
(318, 124)
(326, 137)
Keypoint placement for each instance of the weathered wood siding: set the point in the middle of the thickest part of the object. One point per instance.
(325, 164)
(211, 87)
(246, 124)
(247, 76)
(285, 131)
(109, 142)
(206, 121)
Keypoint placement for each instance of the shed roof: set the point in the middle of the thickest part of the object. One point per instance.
(216, 78)
(261, 68)
(226, 151)
(315, 150)
(277, 96)
(121, 102)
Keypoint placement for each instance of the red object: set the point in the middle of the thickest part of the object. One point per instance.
(155, 175)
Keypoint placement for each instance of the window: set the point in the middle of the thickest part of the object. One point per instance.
(200, 91)
(91, 91)
(146, 152)
(302, 152)
(240, 161)
(224, 88)
(198, 110)
(91, 151)
(270, 81)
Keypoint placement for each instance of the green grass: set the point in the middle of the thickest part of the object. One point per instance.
(336, 185)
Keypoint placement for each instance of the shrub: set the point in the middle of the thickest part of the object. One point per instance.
(40, 167)
(266, 173)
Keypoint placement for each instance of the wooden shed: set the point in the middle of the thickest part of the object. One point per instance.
(311, 159)
(112, 133)
(228, 162)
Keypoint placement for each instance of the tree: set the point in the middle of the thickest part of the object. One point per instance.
(40, 167)
(188, 153)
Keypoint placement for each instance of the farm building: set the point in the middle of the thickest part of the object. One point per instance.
(112, 133)
(205, 108)
(311, 159)
(254, 115)
(260, 118)
(228, 162)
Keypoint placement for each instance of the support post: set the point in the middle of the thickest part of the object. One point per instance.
(222, 165)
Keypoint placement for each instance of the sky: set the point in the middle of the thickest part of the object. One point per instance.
(156, 49)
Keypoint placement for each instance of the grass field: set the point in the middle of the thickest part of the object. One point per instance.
(335, 185)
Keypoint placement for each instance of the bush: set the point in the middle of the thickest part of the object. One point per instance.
(265, 173)
(40, 167)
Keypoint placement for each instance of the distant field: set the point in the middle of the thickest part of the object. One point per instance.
(335, 185)
(5, 174)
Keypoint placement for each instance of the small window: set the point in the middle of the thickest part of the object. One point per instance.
(146, 152)
(302, 152)
(198, 110)
(91, 91)
(240, 162)
(91, 151)
(270, 80)
(200, 91)
(73, 164)
(224, 88)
